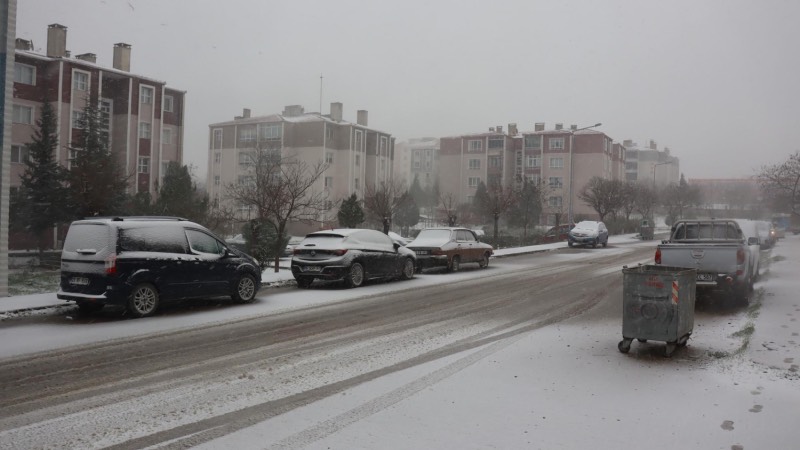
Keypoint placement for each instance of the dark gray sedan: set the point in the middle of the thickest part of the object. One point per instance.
(352, 255)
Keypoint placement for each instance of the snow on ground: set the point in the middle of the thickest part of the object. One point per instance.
(563, 386)
(567, 386)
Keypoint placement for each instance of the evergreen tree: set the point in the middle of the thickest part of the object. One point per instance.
(179, 197)
(97, 182)
(527, 208)
(407, 214)
(43, 193)
(350, 213)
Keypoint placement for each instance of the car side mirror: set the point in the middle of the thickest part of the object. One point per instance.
(752, 241)
(396, 246)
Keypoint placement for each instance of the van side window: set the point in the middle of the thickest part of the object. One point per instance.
(152, 239)
(203, 243)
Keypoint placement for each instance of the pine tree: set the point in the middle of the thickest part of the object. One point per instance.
(43, 193)
(350, 213)
(179, 197)
(97, 182)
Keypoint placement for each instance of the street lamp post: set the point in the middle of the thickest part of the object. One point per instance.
(571, 170)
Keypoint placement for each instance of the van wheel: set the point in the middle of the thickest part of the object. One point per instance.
(245, 291)
(355, 277)
(143, 300)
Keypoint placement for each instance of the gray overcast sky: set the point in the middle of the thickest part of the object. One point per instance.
(718, 82)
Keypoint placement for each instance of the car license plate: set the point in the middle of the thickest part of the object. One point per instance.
(422, 252)
(80, 281)
(312, 269)
(705, 277)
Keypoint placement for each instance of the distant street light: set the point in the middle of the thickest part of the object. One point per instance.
(571, 171)
(654, 170)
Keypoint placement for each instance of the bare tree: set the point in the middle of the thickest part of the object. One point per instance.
(528, 205)
(497, 200)
(382, 201)
(449, 205)
(280, 189)
(781, 184)
(645, 200)
(604, 196)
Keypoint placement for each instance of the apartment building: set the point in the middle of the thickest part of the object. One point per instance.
(649, 164)
(145, 117)
(356, 155)
(417, 158)
(467, 160)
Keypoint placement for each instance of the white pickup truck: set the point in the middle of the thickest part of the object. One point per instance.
(723, 257)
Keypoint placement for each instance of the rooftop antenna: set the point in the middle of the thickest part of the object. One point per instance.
(320, 94)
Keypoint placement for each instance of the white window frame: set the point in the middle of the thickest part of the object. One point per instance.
(22, 114)
(217, 157)
(533, 161)
(22, 152)
(474, 164)
(555, 182)
(358, 160)
(556, 143)
(214, 142)
(557, 163)
(146, 94)
(166, 135)
(24, 74)
(473, 182)
(475, 145)
(328, 157)
(145, 130)
(247, 134)
(357, 183)
(143, 165)
(77, 83)
(169, 103)
(77, 117)
(216, 180)
(270, 130)
(328, 182)
(555, 201)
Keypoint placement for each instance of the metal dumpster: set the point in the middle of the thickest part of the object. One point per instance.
(657, 305)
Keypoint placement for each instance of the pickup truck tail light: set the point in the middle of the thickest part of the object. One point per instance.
(740, 256)
(658, 256)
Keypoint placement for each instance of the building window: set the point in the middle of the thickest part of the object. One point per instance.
(78, 119)
(557, 143)
(218, 138)
(328, 182)
(145, 131)
(246, 180)
(19, 154)
(358, 140)
(216, 180)
(328, 157)
(217, 157)
(357, 183)
(474, 164)
(533, 161)
(534, 179)
(80, 81)
(24, 74)
(166, 135)
(384, 145)
(554, 202)
(22, 114)
(475, 145)
(496, 143)
(169, 103)
(245, 159)
(556, 182)
(247, 134)
(473, 182)
(533, 141)
(470, 198)
(358, 160)
(556, 163)
(270, 131)
(145, 94)
(144, 164)
(495, 161)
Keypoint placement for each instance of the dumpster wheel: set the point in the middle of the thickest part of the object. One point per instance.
(624, 345)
